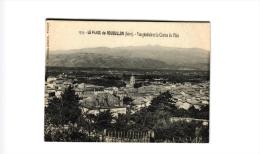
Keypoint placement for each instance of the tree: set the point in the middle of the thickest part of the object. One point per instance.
(121, 122)
(127, 100)
(87, 121)
(64, 110)
(104, 120)
(143, 120)
(204, 112)
(137, 85)
(162, 102)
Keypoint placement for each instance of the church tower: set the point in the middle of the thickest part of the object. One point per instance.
(132, 81)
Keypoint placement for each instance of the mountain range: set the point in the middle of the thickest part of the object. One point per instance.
(143, 57)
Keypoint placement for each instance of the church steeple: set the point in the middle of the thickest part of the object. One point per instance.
(132, 81)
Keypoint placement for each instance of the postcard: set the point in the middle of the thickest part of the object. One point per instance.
(127, 81)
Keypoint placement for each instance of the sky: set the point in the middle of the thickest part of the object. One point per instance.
(66, 35)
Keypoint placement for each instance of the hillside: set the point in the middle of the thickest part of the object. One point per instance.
(132, 57)
(103, 61)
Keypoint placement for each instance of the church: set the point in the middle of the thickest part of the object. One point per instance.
(131, 82)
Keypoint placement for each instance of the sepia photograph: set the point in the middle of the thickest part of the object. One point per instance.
(127, 81)
(128, 77)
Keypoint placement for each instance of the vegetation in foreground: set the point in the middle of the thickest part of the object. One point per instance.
(65, 121)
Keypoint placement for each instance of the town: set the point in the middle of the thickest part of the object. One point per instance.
(129, 93)
(95, 98)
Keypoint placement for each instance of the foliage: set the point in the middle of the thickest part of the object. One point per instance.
(107, 82)
(104, 120)
(182, 132)
(137, 85)
(87, 121)
(64, 110)
(127, 100)
(121, 122)
(67, 133)
(64, 120)
(162, 102)
(142, 120)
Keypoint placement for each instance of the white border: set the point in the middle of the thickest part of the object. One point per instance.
(235, 73)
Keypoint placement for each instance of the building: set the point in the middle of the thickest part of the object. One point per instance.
(114, 110)
(141, 102)
(131, 82)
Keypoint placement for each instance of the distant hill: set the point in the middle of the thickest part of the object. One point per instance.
(103, 61)
(156, 57)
